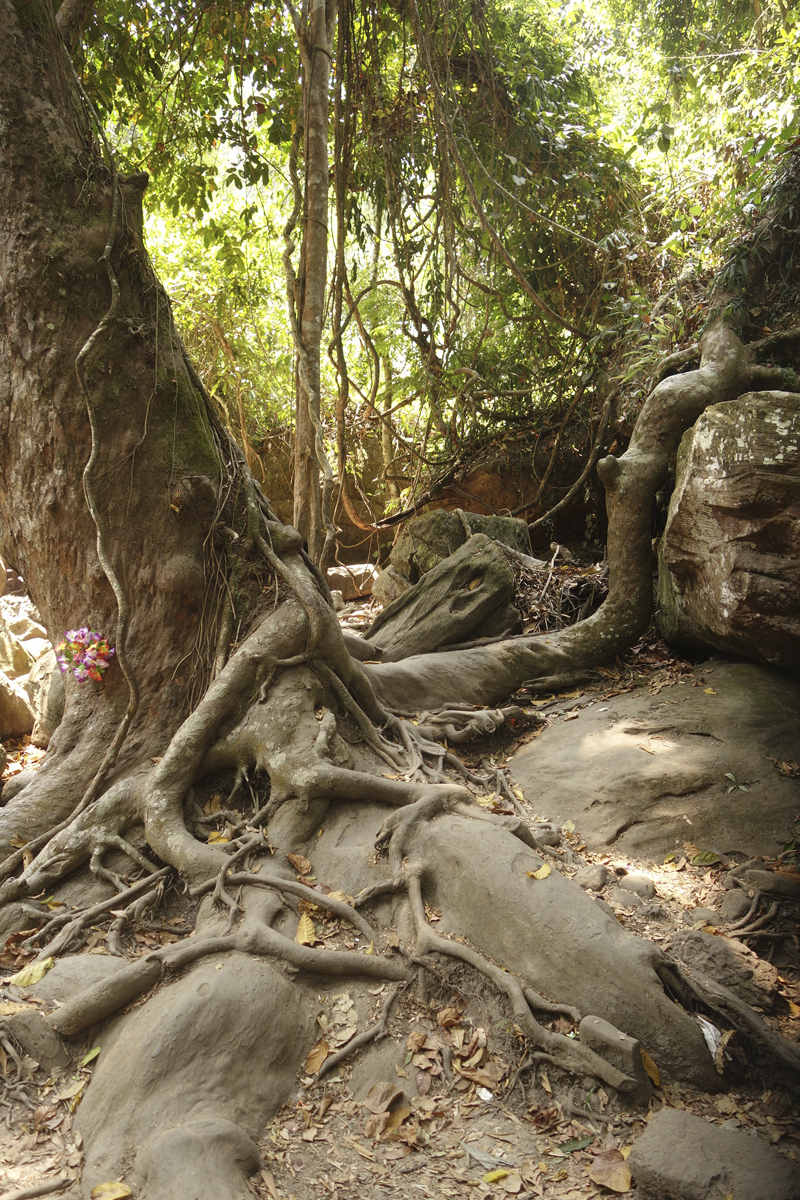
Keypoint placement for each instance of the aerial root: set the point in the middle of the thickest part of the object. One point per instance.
(461, 723)
(132, 915)
(38, 1189)
(585, 1114)
(114, 841)
(11, 1051)
(255, 937)
(538, 1004)
(373, 1034)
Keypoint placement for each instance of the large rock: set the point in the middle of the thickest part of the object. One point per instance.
(16, 714)
(353, 581)
(45, 688)
(682, 1157)
(449, 604)
(389, 585)
(428, 539)
(15, 659)
(729, 560)
(645, 773)
(730, 963)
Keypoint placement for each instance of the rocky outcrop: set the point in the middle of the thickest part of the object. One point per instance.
(644, 772)
(428, 539)
(462, 595)
(16, 714)
(682, 1157)
(45, 688)
(729, 560)
(15, 660)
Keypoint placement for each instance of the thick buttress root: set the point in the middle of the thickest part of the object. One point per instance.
(291, 702)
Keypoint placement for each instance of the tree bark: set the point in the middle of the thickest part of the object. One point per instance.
(158, 478)
(311, 501)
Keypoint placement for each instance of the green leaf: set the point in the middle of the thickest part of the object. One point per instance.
(706, 858)
(575, 1144)
(90, 1056)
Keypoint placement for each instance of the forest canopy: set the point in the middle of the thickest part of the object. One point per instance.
(509, 253)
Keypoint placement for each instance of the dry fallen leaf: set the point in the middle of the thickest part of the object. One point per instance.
(316, 1056)
(651, 1068)
(31, 974)
(610, 1170)
(381, 1095)
(216, 836)
(545, 1082)
(70, 1090)
(542, 873)
(300, 863)
(110, 1191)
(269, 1180)
(447, 1017)
(306, 933)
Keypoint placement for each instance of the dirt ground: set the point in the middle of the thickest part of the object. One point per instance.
(445, 1104)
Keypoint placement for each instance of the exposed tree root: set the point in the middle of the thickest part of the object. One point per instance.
(373, 1034)
(723, 1000)
(563, 1051)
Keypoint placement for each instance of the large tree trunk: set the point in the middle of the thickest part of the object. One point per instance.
(183, 558)
(157, 476)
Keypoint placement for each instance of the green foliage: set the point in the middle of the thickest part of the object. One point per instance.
(613, 150)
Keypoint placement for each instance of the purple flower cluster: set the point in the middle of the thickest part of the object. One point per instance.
(85, 653)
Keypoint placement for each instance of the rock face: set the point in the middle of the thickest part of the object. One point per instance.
(45, 688)
(15, 660)
(16, 714)
(459, 598)
(729, 560)
(644, 773)
(729, 963)
(682, 1157)
(426, 540)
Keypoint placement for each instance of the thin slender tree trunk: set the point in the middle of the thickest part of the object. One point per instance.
(309, 459)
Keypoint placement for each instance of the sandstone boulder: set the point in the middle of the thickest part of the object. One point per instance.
(353, 581)
(45, 688)
(389, 585)
(449, 604)
(729, 559)
(15, 660)
(435, 535)
(16, 714)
